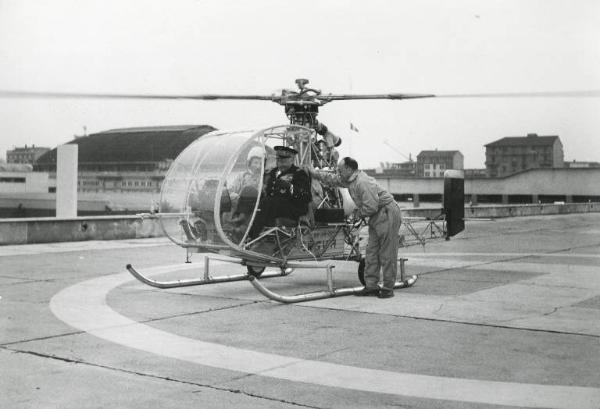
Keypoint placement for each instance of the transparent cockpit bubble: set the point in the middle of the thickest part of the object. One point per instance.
(211, 192)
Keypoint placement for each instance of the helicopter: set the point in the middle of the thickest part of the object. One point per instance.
(201, 199)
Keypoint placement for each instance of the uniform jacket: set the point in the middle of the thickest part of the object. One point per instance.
(293, 184)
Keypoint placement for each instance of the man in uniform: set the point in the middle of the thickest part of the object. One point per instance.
(286, 191)
(379, 206)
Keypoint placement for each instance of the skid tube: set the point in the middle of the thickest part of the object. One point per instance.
(330, 292)
(207, 279)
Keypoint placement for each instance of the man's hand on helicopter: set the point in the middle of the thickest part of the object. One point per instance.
(356, 215)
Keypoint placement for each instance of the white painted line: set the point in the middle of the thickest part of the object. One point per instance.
(84, 307)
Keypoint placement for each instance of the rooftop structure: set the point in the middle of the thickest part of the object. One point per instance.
(25, 154)
(516, 153)
(433, 164)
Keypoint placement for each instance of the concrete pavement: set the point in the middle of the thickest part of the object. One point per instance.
(505, 315)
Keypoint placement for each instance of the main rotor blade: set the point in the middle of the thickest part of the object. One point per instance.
(284, 97)
(549, 94)
(33, 94)
(340, 97)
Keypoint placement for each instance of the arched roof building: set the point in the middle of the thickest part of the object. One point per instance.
(128, 149)
(127, 160)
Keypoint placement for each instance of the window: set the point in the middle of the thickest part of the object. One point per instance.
(12, 180)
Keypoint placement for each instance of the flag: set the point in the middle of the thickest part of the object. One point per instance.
(353, 128)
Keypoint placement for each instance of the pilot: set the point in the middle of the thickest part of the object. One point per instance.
(286, 192)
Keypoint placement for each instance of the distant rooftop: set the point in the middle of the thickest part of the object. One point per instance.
(529, 140)
(28, 148)
(437, 153)
(165, 128)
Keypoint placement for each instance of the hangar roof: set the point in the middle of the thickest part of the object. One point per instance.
(129, 145)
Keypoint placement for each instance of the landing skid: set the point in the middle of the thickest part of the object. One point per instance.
(207, 279)
(330, 292)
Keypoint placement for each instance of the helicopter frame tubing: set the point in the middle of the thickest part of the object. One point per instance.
(433, 229)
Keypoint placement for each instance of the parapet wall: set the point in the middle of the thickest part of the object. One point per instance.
(520, 210)
(530, 210)
(52, 229)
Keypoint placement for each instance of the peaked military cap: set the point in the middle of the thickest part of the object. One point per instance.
(285, 151)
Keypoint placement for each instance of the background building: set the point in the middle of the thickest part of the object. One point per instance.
(25, 154)
(514, 154)
(433, 164)
(475, 173)
(126, 160)
(580, 164)
(19, 178)
(408, 168)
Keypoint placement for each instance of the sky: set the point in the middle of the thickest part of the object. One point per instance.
(349, 46)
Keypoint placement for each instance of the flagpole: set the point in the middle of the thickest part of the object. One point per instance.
(351, 137)
(353, 130)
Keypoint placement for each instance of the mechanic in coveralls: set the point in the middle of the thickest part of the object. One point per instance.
(286, 192)
(384, 215)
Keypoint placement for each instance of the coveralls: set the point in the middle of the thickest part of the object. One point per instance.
(384, 215)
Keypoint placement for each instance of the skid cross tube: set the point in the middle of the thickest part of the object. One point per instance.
(207, 279)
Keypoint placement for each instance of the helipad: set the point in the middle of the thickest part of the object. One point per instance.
(505, 315)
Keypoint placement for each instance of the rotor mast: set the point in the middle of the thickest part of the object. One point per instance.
(302, 107)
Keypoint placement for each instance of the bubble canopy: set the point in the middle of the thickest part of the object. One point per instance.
(211, 192)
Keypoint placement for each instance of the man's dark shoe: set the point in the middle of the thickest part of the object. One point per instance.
(385, 294)
(367, 292)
